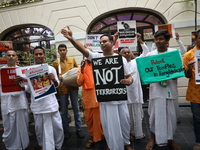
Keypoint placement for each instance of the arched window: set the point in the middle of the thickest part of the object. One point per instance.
(145, 21)
(26, 37)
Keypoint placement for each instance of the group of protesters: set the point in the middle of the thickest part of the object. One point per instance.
(118, 121)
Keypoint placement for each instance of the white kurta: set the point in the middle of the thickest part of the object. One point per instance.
(48, 123)
(162, 110)
(14, 109)
(115, 116)
(135, 97)
(135, 101)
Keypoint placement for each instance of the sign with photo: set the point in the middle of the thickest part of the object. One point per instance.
(168, 27)
(108, 71)
(4, 47)
(161, 67)
(197, 66)
(21, 72)
(127, 33)
(38, 82)
(8, 84)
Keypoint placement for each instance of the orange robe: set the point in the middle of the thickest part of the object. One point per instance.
(91, 106)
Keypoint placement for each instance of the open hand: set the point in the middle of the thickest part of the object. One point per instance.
(67, 33)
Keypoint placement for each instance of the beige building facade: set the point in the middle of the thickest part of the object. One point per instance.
(87, 16)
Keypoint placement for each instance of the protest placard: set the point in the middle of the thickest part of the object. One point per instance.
(93, 42)
(21, 72)
(108, 71)
(197, 66)
(161, 67)
(38, 82)
(168, 27)
(8, 84)
(4, 47)
(127, 33)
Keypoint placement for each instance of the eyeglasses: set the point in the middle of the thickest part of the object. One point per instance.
(159, 39)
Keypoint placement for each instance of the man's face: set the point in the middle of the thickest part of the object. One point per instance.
(198, 40)
(106, 44)
(126, 53)
(39, 56)
(62, 51)
(44, 77)
(11, 58)
(161, 42)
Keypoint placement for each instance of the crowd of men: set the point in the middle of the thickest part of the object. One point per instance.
(119, 122)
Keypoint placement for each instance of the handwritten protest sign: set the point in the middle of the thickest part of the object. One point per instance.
(8, 84)
(160, 67)
(127, 33)
(197, 66)
(38, 82)
(168, 27)
(108, 71)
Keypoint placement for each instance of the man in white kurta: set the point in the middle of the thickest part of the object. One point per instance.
(135, 97)
(162, 109)
(48, 123)
(15, 115)
(114, 115)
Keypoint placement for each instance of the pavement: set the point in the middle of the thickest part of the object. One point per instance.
(184, 135)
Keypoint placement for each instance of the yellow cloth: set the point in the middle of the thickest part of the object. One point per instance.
(46, 83)
(193, 90)
(67, 64)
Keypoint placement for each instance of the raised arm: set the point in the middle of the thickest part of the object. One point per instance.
(143, 45)
(68, 34)
(182, 47)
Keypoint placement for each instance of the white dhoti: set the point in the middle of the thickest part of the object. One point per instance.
(16, 135)
(136, 116)
(162, 119)
(115, 124)
(49, 130)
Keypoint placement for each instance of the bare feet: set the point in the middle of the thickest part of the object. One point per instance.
(174, 145)
(150, 145)
(127, 147)
(89, 143)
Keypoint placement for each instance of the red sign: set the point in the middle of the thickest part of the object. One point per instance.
(8, 83)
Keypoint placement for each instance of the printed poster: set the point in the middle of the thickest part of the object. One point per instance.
(8, 84)
(4, 47)
(197, 66)
(168, 27)
(38, 82)
(127, 33)
(160, 67)
(93, 42)
(108, 71)
(21, 72)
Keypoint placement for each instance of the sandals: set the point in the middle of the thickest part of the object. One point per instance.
(89, 143)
